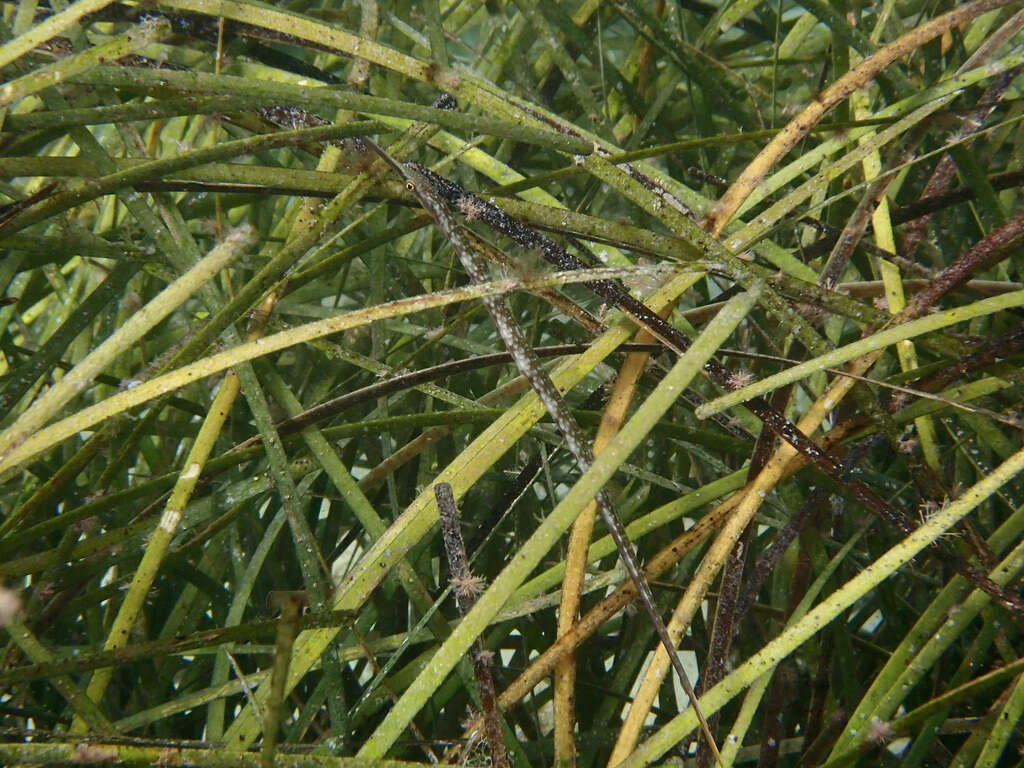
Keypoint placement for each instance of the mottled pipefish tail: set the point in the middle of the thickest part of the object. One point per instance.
(479, 209)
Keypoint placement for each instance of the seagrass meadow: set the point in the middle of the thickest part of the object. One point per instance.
(511, 383)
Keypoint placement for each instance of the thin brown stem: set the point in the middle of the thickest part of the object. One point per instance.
(466, 586)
